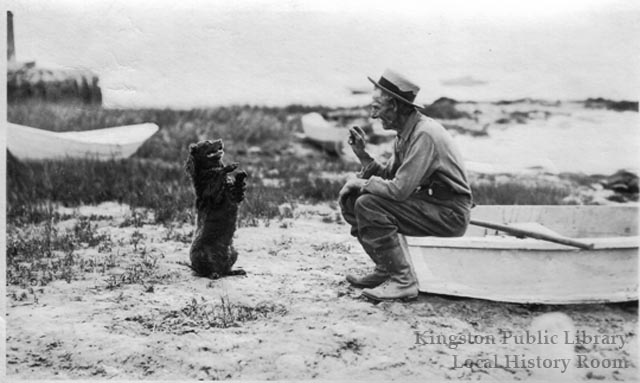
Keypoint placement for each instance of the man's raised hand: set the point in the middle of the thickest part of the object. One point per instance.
(357, 141)
(356, 137)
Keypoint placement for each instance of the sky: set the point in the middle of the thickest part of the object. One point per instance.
(191, 53)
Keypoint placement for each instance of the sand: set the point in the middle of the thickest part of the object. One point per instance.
(292, 316)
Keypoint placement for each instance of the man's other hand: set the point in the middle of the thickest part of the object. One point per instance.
(354, 184)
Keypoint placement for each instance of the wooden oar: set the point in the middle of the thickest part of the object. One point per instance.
(532, 234)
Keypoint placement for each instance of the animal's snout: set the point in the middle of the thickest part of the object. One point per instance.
(215, 154)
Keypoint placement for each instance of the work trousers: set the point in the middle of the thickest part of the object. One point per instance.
(377, 221)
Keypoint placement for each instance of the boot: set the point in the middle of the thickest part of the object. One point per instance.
(373, 279)
(402, 283)
(376, 278)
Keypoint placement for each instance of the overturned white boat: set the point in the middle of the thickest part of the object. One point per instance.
(320, 133)
(488, 264)
(27, 143)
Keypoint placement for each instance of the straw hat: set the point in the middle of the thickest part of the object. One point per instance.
(397, 86)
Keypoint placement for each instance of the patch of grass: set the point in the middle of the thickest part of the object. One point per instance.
(332, 247)
(142, 271)
(72, 182)
(38, 254)
(282, 244)
(351, 344)
(243, 125)
(201, 315)
(260, 203)
(173, 234)
(154, 177)
(137, 218)
(87, 234)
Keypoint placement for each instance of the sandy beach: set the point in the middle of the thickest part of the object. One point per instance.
(539, 97)
(133, 311)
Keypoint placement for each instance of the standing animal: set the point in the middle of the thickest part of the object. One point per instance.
(217, 198)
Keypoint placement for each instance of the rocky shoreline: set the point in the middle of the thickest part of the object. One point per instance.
(474, 122)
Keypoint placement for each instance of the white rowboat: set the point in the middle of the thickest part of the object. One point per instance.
(28, 143)
(491, 265)
(322, 134)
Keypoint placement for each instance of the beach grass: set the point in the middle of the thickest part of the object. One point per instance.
(154, 178)
(155, 186)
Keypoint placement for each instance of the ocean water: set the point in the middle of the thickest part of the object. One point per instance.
(572, 139)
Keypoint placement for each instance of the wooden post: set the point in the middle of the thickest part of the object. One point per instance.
(11, 49)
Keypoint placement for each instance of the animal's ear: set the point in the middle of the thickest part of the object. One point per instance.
(189, 167)
(192, 148)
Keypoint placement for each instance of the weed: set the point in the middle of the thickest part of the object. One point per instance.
(136, 238)
(175, 235)
(142, 271)
(39, 254)
(136, 219)
(202, 315)
(332, 247)
(106, 246)
(87, 234)
(281, 245)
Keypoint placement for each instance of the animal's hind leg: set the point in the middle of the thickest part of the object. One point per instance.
(237, 272)
(233, 256)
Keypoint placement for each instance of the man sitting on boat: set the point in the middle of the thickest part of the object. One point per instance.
(422, 190)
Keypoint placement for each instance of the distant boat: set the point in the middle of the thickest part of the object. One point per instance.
(320, 133)
(27, 143)
(490, 265)
(359, 91)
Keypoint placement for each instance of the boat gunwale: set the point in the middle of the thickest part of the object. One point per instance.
(513, 243)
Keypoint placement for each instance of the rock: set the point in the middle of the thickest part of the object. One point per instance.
(445, 108)
(520, 117)
(473, 132)
(622, 181)
(602, 103)
(623, 185)
(529, 101)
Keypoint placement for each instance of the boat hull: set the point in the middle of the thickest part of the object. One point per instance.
(28, 143)
(318, 132)
(525, 270)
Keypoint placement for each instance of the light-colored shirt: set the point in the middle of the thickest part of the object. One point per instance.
(423, 151)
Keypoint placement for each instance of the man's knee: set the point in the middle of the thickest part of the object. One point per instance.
(347, 203)
(367, 202)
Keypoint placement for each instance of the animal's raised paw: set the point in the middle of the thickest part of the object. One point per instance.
(231, 167)
(239, 186)
(241, 176)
